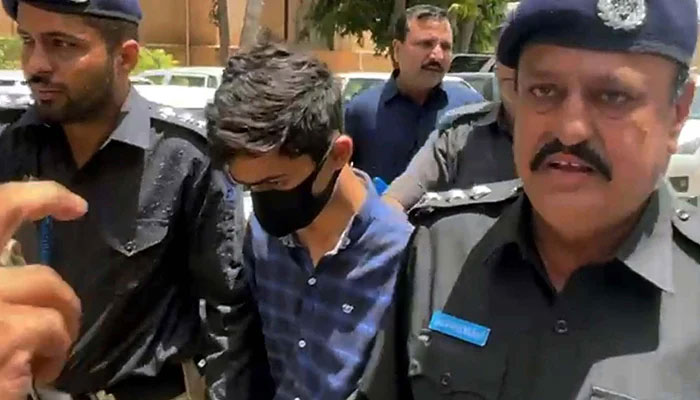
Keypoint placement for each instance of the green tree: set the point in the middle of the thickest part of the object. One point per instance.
(10, 52)
(154, 59)
(353, 17)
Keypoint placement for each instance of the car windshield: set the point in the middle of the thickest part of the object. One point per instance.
(357, 85)
(468, 63)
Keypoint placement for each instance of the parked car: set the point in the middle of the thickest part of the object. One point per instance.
(684, 168)
(14, 90)
(202, 77)
(190, 98)
(355, 82)
(468, 62)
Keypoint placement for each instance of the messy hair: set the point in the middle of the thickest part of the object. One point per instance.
(273, 98)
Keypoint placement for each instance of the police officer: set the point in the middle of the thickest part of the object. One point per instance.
(472, 145)
(163, 227)
(583, 282)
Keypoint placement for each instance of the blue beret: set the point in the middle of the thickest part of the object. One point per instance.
(667, 28)
(128, 10)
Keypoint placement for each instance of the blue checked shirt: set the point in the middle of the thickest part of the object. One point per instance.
(319, 323)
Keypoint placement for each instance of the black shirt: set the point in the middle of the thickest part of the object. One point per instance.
(623, 329)
(162, 231)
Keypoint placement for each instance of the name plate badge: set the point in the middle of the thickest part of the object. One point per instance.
(460, 329)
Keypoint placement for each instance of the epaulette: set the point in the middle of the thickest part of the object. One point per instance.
(466, 114)
(183, 118)
(490, 193)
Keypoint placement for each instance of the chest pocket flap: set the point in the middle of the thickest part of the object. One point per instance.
(449, 368)
(148, 233)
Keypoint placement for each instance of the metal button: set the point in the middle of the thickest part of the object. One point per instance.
(561, 327)
(446, 379)
(311, 281)
(130, 247)
(683, 215)
(202, 363)
(302, 343)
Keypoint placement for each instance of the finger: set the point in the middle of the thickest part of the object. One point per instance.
(40, 332)
(40, 286)
(35, 200)
(16, 376)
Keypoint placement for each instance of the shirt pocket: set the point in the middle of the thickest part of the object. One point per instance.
(442, 367)
(137, 253)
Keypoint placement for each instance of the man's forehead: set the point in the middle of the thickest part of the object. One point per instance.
(543, 59)
(429, 26)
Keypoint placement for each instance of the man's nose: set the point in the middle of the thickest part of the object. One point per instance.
(36, 60)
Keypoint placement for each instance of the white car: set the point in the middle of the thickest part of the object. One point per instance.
(14, 89)
(191, 98)
(201, 77)
(684, 168)
(182, 87)
(355, 82)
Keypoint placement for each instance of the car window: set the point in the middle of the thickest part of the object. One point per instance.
(188, 80)
(212, 82)
(156, 79)
(471, 63)
(357, 85)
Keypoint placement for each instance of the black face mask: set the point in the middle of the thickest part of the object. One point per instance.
(281, 212)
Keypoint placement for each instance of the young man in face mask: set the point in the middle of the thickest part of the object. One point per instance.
(322, 249)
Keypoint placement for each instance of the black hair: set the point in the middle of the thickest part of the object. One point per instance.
(418, 12)
(113, 31)
(274, 98)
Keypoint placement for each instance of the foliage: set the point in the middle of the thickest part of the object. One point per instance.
(353, 17)
(154, 59)
(10, 52)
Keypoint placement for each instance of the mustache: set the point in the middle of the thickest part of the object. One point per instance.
(43, 80)
(432, 64)
(581, 150)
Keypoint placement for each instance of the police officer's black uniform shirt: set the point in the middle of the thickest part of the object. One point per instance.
(628, 329)
(471, 146)
(162, 230)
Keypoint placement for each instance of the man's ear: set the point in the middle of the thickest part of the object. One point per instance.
(342, 151)
(681, 112)
(128, 56)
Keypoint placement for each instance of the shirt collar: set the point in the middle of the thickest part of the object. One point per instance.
(647, 251)
(134, 127)
(357, 225)
(391, 90)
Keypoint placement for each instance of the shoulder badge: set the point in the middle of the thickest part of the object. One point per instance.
(479, 194)
(626, 15)
(184, 118)
(465, 114)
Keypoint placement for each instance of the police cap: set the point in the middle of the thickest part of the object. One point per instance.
(128, 10)
(667, 28)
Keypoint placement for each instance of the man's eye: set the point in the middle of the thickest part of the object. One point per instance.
(543, 91)
(615, 98)
(61, 43)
